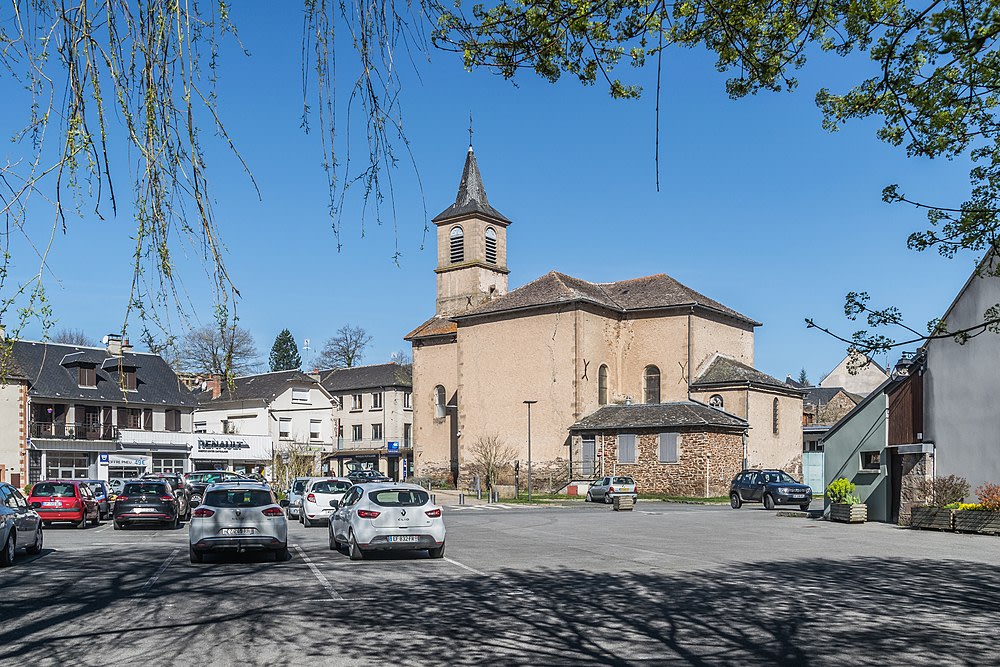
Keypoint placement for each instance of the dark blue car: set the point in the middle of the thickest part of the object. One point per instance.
(101, 493)
(771, 487)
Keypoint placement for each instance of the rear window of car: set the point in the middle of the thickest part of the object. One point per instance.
(54, 489)
(623, 480)
(399, 497)
(298, 485)
(144, 489)
(238, 498)
(331, 486)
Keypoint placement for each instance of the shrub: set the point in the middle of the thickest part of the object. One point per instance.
(842, 491)
(940, 491)
(975, 507)
(989, 497)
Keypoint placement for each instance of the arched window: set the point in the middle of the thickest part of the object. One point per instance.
(439, 402)
(602, 385)
(774, 416)
(716, 401)
(491, 245)
(651, 377)
(457, 245)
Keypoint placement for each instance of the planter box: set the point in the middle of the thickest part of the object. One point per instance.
(623, 503)
(972, 521)
(844, 513)
(932, 518)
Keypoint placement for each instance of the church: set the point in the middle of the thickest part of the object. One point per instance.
(643, 377)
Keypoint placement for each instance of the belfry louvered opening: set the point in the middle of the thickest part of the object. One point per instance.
(457, 245)
(491, 245)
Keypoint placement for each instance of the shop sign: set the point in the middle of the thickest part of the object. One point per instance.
(221, 444)
(124, 461)
(406, 469)
(392, 447)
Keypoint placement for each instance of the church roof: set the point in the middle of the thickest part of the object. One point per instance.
(436, 326)
(649, 292)
(724, 370)
(471, 198)
(678, 414)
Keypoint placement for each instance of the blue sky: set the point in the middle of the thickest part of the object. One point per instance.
(758, 208)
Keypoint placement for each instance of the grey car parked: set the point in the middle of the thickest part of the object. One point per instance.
(606, 488)
(294, 496)
(20, 525)
(238, 516)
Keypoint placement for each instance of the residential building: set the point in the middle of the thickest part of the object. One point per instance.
(101, 412)
(857, 375)
(13, 419)
(373, 417)
(574, 347)
(283, 412)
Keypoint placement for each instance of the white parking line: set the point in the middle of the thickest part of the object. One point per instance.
(152, 580)
(319, 575)
(466, 567)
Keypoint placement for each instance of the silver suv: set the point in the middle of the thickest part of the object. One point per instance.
(20, 525)
(238, 516)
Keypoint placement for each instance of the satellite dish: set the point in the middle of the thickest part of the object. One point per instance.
(105, 340)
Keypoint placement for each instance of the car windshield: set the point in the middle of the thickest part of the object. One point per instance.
(777, 476)
(144, 489)
(298, 485)
(238, 498)
(623, 480)
(331, 486)
(399, 497)
(54, 489)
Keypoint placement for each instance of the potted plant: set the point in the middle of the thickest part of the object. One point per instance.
(981, 517)
(935, 501)
(845, 506)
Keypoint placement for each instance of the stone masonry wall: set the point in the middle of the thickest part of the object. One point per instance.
(916, 469)
(719, 455)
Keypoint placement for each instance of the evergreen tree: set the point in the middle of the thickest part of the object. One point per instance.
(285, 353)
(803, 378)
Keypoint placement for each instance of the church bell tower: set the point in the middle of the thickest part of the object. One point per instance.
(472, 247)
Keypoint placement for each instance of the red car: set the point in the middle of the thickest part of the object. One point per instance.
(65, 500)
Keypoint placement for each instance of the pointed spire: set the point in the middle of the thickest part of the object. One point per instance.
(471, 196)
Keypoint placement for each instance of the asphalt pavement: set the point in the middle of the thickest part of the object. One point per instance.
(573, 585)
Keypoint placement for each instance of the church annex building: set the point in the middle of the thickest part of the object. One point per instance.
(644, 377)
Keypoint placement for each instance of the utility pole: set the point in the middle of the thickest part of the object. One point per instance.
(529, 404)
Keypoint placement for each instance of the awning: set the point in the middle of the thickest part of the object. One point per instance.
(913, 448)
(71, 445)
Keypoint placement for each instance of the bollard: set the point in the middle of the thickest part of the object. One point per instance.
(434, 498)
(461, 499)
(479, 494)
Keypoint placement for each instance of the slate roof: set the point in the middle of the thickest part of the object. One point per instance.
(471, 198)
(724, 370)
(649, 292)
(436, 326)
(366, 377)
(263, 388)
(824, 395)
(156, 383)
(680, 414)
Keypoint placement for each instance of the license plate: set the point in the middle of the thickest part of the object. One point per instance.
(237, 531)
(140, 510)
(51, 503)
(403, 538)
(798, 495)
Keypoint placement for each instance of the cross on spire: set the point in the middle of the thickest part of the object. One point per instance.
(470, 130)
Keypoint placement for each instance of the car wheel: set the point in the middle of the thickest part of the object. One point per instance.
(196, 556)
(83, 521)
(97, 519)
(7, 555)
(588, 498)
(353, 550)
(608, 500)
(436, 552)
(804, 507)
(119, 525)
(175, 523)
(306, 522)
(768, 502)
(281, 555)
(36, 546)
(735, 501)
(334, 543)
(46, 523)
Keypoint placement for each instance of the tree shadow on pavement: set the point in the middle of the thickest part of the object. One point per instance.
(795, 612)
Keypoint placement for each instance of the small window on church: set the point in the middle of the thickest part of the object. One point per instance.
(774, 416)
(491, 245)
(602, 385)
(716, 401)
(439, 402)
(652, 382)
(457, 245)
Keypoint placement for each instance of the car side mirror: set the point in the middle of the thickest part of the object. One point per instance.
(283, 503)
(334, 504)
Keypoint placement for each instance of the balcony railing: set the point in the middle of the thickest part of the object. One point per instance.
(73, 431)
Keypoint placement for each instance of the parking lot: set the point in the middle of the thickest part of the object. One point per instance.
(665, 584)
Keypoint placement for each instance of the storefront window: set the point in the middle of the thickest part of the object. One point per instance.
(167, 465)
(67, 465)
(123, 472)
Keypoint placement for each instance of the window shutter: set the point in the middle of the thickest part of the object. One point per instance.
(668, 448)
(122, 418)
(147, 419)
(626, 448)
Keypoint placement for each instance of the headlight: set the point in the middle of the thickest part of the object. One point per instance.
(786, 490)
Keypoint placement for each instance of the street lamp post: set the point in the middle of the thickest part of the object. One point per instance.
(529, 404)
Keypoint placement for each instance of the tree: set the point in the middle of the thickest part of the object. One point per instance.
(346, 348)
(490, 458)
(803, 378)
(73, 337)
(285, 353)
(228, 351)
(120, 81)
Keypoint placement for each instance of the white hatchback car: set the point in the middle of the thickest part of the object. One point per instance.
(318, 498)
(387, 516)
(238, 516)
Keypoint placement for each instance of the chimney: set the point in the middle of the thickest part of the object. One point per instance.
(315, 374)
(214, 385)
(116, 345)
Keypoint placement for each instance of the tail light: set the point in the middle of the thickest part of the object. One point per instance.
(368, 514)
(167, 499)
(117, 498)
(311, 497)
(273, 511)
(433, 513)
(75, 502)
(203, 513)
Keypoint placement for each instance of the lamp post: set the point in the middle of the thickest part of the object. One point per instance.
(529, 404)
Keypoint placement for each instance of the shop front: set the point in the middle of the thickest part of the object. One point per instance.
(239, 453)
(122, 466)
(393, 460)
